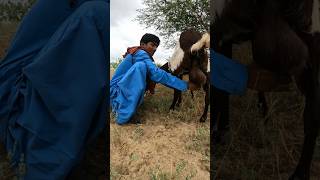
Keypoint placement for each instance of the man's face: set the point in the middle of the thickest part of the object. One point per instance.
(150, 47)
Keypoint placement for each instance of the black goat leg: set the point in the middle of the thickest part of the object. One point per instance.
(207, 101)
(176, 96)
(179, 99)
(179, 95)
(262, 103)
(311, 129)
(311, 112)
(192, 95)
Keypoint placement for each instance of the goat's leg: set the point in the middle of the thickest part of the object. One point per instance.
(192, 95)
(179, 95)
(176, 96)
(311, 130)
(262, 105)
(179, 99)
(311, 112)
(207, 101)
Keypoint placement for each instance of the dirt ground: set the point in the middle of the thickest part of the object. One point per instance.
(167, 145)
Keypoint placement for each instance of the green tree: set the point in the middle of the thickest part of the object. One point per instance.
(170, 17)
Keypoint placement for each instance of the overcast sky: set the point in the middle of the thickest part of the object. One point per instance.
(126, 32)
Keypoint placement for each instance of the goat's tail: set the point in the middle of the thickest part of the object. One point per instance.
(203, 42)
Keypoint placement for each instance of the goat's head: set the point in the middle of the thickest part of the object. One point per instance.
(194, 61)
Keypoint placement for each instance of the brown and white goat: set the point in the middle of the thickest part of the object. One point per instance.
(285, 38)
(190, 57)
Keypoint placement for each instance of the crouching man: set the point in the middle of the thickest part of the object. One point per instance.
(135, 75)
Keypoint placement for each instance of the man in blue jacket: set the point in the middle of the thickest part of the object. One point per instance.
(133, 76)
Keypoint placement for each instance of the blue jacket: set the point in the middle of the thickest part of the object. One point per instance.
(128, 84)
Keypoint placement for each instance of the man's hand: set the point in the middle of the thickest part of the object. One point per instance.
(192, 86)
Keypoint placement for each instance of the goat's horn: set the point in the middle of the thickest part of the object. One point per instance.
(204, 41)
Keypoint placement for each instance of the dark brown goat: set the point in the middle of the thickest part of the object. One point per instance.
(285, 40)
(190, 57)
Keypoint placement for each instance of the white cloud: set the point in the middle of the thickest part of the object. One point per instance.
(123, 9)
(125, 32)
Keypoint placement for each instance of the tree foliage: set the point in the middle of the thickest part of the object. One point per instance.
(14, 10)
(170, 17)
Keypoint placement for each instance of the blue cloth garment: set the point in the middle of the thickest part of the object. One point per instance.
(53, 86)
(227, 74)
(128, 84)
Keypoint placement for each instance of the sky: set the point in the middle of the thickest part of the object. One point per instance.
(126, 32)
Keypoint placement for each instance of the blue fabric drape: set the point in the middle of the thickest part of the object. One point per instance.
(53, 86)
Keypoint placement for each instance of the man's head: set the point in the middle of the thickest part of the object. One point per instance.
(149, 43)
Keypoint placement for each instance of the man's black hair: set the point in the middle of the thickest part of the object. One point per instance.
(150, 38)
